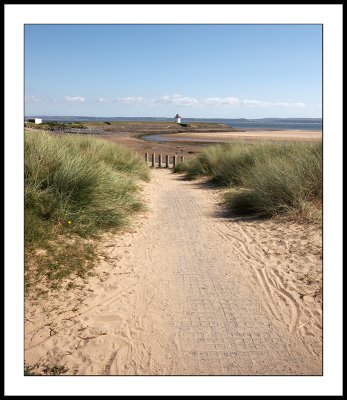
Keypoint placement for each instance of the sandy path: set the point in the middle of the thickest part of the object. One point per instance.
(188, 292)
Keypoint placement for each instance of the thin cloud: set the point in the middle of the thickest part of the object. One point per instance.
(221, 101)
(290, 104)
(255, 103)
(75, 99)
(34, 99)
(177, 99)
(232, 101)
(129, 100)
(103, 100)
(260, 103)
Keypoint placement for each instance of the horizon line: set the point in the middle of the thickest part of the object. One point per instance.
(95, 116)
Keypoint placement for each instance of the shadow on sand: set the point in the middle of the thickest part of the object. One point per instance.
(222, 211)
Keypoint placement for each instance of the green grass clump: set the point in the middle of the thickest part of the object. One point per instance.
(290, 183)
(76, 187)
(191, 167)
(39, 370)
(273, 178)
(54, 125)
(57, 260)
(227, 164)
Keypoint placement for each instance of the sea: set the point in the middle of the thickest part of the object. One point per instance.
(305, 124)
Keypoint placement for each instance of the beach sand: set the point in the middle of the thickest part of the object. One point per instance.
(188, 145)
(188, 291)
(252, 134)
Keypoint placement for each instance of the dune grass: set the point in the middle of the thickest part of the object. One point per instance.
(227, 164)
(39, 370)
(271, 179)
(75, 187)
(53, 125)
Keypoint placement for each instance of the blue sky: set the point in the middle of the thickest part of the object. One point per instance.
(199, 71)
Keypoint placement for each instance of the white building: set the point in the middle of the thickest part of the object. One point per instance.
(35, 120)
(178, 118)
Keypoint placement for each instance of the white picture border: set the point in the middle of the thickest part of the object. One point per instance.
(331, 18)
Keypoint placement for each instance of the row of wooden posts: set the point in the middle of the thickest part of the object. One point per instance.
(175, 160)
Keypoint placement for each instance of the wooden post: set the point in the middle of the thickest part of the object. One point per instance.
(153, 160)
(159, 161)
(146, 158)
(167, 161)
(182, 158)
(174, 160)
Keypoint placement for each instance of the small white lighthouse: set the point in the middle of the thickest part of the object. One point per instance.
(178, 118)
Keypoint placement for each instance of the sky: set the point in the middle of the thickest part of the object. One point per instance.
(198, 71)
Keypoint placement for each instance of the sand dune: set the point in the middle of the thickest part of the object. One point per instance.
(188, 292)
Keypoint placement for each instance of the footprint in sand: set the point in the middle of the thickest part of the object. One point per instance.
(111, 321)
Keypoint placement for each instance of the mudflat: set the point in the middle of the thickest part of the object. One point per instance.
(190, 144)
(171, 138)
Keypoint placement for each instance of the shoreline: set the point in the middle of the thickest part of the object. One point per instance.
(188, 144)
(185, 144)
(254, 134)
(249, 136)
